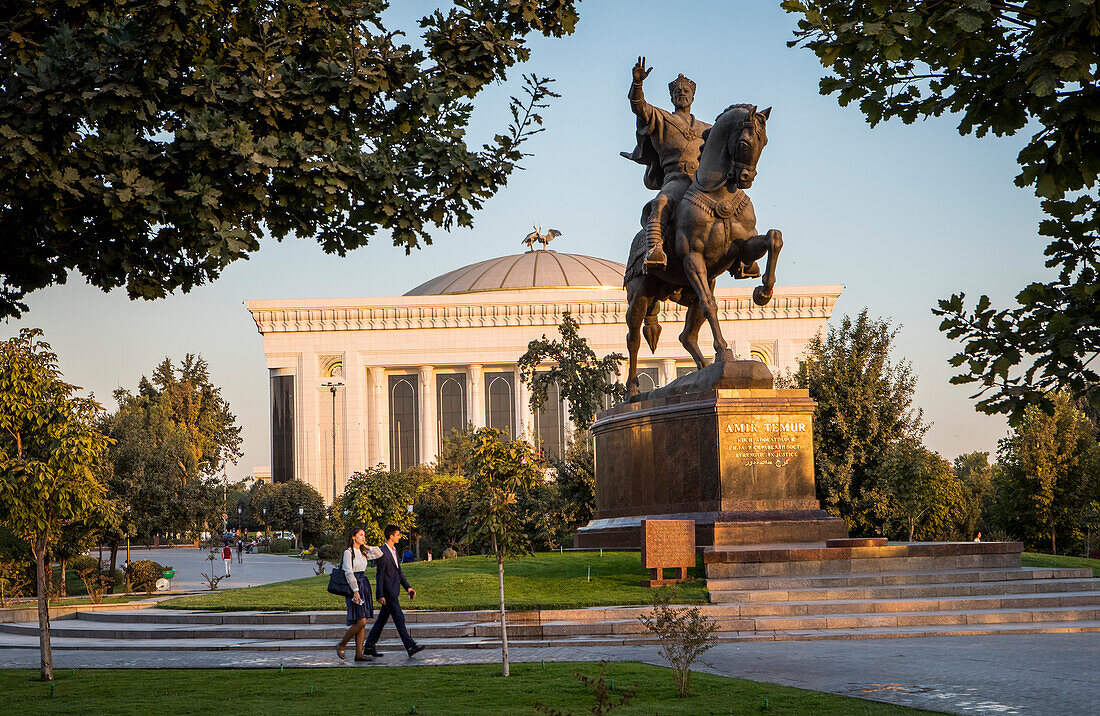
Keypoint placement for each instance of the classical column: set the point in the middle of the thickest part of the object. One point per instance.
(476, 412)
(428, 415)
(667, 373)
(312, 463)
(525, 418)
(355, 416)
(379, 418)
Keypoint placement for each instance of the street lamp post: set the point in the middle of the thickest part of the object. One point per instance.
(301, 511)
(238, 519)
(265, 529)
(332, 386)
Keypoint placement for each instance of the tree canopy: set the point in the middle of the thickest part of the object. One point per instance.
(582, 378)
(48, 450)
(864, 405)
(1001, 67)
(151, 144)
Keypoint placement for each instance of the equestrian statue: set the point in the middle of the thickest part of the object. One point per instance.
(700, 224)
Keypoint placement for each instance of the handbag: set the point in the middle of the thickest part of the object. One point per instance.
(338, 583)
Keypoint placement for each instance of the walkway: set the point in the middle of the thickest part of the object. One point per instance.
(255, 569)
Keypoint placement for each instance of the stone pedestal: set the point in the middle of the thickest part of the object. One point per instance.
(737, 461)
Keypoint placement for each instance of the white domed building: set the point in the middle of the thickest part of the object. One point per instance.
(358, 382)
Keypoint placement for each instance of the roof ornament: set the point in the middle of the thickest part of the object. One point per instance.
(540, 237)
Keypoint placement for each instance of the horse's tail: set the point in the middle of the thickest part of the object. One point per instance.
(651, 328)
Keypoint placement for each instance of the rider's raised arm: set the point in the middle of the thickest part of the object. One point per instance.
(638, 105)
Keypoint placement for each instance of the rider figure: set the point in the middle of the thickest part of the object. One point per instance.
(669, 144)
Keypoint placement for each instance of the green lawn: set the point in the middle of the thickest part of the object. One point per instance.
(421, 690)
(546, 580)
(1035, 559)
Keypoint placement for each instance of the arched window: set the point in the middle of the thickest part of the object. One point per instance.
(404, 422)
(760, 355)
(647, 379)
(499, 403)
(550, 424)
(451, 399)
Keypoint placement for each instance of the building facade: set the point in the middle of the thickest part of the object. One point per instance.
(361, 382)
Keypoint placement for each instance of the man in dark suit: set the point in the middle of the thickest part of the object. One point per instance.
(388, 580)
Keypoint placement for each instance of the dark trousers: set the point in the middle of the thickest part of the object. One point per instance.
(392, 608)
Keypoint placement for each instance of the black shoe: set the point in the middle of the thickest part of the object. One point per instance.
(372, 651)
(362, 658)
(415, 650)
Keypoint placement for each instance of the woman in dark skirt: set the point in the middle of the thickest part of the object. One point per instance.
(361, 602)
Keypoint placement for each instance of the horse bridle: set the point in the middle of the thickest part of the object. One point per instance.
(740, 167)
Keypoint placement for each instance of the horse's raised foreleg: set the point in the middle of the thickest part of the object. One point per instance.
(773, 242)
(695, 268)
(689, 338)
(636, 310)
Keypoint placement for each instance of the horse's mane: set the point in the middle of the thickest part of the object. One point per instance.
(746, 108)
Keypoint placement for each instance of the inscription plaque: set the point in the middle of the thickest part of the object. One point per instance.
(667, 544)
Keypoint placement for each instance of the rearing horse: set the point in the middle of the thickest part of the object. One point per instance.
(715, 231)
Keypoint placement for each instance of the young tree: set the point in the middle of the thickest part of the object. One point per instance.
(48, 451)
(1002, 67)
(1049, 469)
(499, 472)
(975, 475)
(582, 379)
(921, 490)
(151, 144)
(864, 404)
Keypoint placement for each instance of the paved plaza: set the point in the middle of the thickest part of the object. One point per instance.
(1006, 674)
(189, 563)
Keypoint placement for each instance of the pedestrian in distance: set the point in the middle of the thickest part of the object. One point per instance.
(429, 555)
(240, 551)
(389, 579)
(361, 603)
(227, 557)
(408, 556)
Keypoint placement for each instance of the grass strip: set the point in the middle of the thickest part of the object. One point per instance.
(1036, 559)
(548, 580)
(427, 690)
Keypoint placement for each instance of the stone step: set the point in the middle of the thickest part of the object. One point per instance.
(174, 616)
(819, 552)
(729, 618)
(907, 591)
(813, 568)
(392, 646)
(916, 577)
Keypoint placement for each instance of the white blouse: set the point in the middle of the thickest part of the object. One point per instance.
(354, 561)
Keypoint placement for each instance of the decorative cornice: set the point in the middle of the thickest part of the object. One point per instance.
(399, 313)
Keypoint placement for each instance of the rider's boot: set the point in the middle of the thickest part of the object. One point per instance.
(655, 258)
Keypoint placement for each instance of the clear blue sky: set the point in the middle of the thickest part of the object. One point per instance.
(900, 215)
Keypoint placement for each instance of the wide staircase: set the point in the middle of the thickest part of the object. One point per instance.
(851, 590)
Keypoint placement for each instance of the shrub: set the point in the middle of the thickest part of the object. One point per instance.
(144, 575)
(685, 635)
(83, 562)
(281, 545)
(329, 553)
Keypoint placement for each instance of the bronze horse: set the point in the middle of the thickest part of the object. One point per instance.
(715, 231)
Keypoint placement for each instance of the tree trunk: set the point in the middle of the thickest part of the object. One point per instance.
(43, 609)
(1053, 544)
(62, 590)
(912, 529)
(114, 558)
(503, 625)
